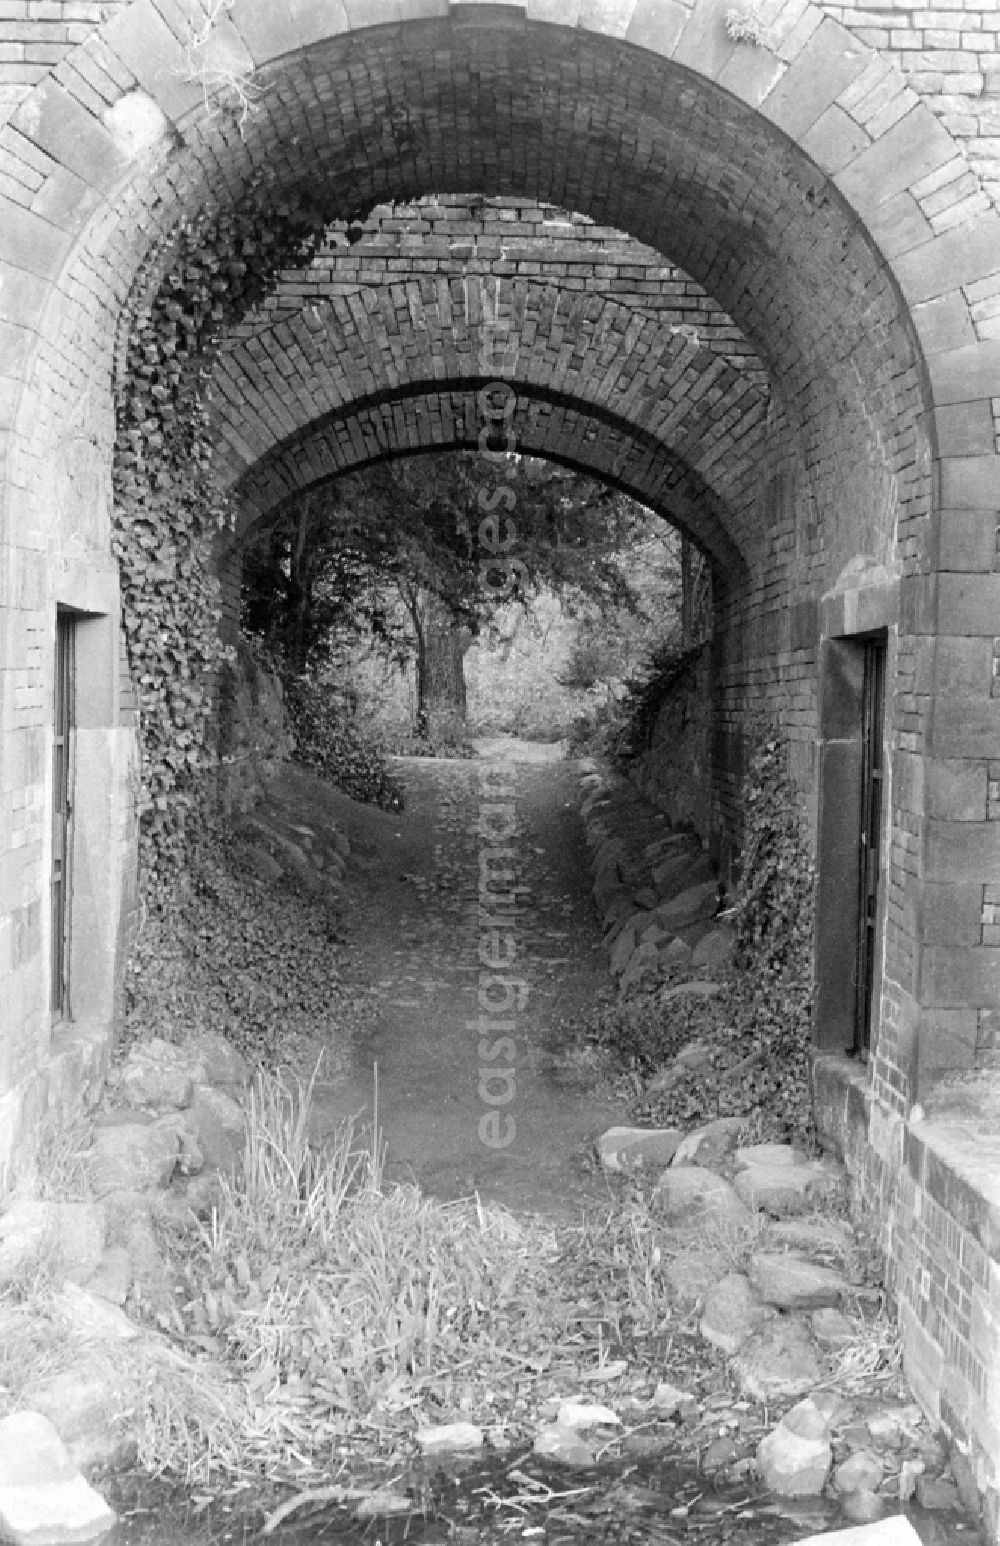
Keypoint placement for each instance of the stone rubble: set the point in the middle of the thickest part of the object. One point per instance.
(796, 1457)
(691, 1195)
(732, 1312)
(278, 843)
(174, 1123)
(44, 1499)
(780, 1316)
(776, 1319)
(64, 1236)
(637, 1148)
(449, 1438)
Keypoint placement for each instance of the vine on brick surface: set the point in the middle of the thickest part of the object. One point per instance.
(758, 1031)
(775, 930)
(668, 670)
(776, 897)
(169, 509)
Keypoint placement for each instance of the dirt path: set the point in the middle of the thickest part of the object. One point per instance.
(415, 927)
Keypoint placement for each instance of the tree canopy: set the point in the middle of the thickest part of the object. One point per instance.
(452, 538)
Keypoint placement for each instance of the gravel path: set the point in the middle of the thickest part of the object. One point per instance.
(415, 929)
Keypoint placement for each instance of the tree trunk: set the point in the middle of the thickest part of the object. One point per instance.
(441, 646)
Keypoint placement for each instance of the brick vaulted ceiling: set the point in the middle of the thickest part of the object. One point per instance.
(484, 101)
(366, 354)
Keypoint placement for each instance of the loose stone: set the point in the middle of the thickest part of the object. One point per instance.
(44, 1500)
(937, 1493)
(831, 1328)
(689, 1195)
(65, 1236)
(792, 1283)
(708, 1145)
(564, 1444)
(732, 1313)
(582, 1414)
(448, 1438)
(637, 1148)
(140, 1156)
(669, 1399)
(779, 1361)
(863, 1506)
(159, 1075)
(860, 1472)
(795, 1459)
(781, 1190)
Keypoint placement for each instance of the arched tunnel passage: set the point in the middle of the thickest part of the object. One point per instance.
(781, 250)
(496, 837)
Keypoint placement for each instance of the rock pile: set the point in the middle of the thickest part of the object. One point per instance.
(777, 1289)
(172, 1124)
(756, 1242)
(657, 896)
(279, 842)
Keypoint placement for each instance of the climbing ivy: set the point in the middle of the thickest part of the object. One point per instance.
(776, 896)
(668, 671)
(169, 508)
(758, 1031)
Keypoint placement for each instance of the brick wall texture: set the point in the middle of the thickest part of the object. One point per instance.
(756, 283)
(939, 1229)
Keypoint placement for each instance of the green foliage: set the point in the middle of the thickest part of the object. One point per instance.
(590, 661)
(312, 586)
(223, 950)
(775, 902)
(326, 567)
(758, 1031)
(169, 509)
(668, 669)
(331, 743)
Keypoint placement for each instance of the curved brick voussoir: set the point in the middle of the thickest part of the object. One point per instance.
(431, 418)
(708, 181)
(686, 407)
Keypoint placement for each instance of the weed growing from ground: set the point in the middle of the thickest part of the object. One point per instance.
(340, 1312)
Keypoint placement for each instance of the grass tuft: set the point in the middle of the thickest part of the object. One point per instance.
(338, 1305)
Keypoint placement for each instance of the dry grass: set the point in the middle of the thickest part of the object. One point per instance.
(340, 1308)
(56, 1169)
(30, 1345)
(327, 1314)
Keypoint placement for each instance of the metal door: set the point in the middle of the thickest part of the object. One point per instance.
(870, 847)
(62, 788)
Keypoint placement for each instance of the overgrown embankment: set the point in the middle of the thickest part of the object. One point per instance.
(746, 1042)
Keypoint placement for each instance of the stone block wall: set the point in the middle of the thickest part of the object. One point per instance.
(949, 56)
(676, 773)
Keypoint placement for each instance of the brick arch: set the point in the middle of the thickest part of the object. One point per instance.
(715, 158)
(807, 215)
(679, 405)
(432, 417)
